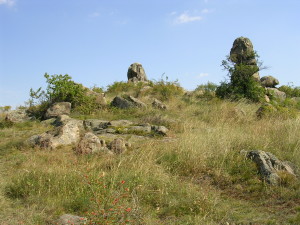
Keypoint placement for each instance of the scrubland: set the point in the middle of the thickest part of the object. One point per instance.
(195, 176)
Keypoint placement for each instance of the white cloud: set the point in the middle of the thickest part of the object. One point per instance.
(205, 11)
(173, 13)
(186, 18)
(202, 75)
(7, 2)
(92, 15)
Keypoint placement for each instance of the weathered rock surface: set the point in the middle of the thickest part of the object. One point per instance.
(122, 103)
(137, 102)
(160, 130)
(143, 129)
(269, 81)
(90, 144)
(120, 123)
(136, 73)
(68, 132)
(17, 116)
(158, 104)
(275, 93)
(95, 124)
(57, 109)
(242, 51)
(268, 165)
(68, 219)
(99, 97)
(130, 102)
(118, 146)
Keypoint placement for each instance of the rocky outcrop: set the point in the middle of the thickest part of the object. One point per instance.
(17, 116)
(57, 109)
(68, 219)
(95, 124)
(269, 81)
(160, 130)
(126, 103)
(269, 165)
(265, 109)
(67, 132)
(90, 144)
(136, 73)
(158, 104)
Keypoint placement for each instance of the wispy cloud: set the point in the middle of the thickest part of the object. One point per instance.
(186, 18)
(7, 2)
(92, 15)
(206, 11)
(202, 75)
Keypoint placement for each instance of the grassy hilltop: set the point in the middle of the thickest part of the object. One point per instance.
(195, 175)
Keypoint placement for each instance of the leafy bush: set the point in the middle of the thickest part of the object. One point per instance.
(242, 83)
(290, 90)
(165, 90)
(207, 91)
(61, 88)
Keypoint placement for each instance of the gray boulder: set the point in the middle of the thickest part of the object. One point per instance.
(68, 219)
(136, 73)
(122, 103)
(128, 102)
(67, 133)
(57, 109)
(242, 51)
(158, 104)
(90, 144)
(275, 93)
(268, 165)
(17, 116)
(269, 81)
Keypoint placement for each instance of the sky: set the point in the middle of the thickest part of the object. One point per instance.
(95, 41)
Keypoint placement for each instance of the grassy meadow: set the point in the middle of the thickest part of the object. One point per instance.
(195, 176)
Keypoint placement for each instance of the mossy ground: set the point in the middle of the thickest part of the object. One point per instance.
(198, 178)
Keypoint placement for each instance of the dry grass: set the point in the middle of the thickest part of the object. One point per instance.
(200, 178)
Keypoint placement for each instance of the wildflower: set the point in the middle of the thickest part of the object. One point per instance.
(128, 209)
(123, 182)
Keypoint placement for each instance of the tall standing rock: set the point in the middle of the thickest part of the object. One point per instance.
(136, 73)
(242, 52)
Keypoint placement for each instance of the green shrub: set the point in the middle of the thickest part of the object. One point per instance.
(61, 88)
(165, 90)
(6, 124)
(290, 91)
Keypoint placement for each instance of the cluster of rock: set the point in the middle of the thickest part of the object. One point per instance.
(242, 52)
(269, 165)
(82, 133)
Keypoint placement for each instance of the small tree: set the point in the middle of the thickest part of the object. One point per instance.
(242, 83)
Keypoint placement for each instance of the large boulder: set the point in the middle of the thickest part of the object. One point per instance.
(242, 51)
(136, 73)
(269, 166)
(67, 132)
(269, 81)
(90, 144)
(68, 219)
(17, 116)
(95, 124)
(137, 102)
(57, 109)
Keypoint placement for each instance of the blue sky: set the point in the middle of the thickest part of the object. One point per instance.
(95, 41)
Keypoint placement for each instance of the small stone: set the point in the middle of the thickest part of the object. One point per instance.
(158, 104)
(90, 144)
(118, 146)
